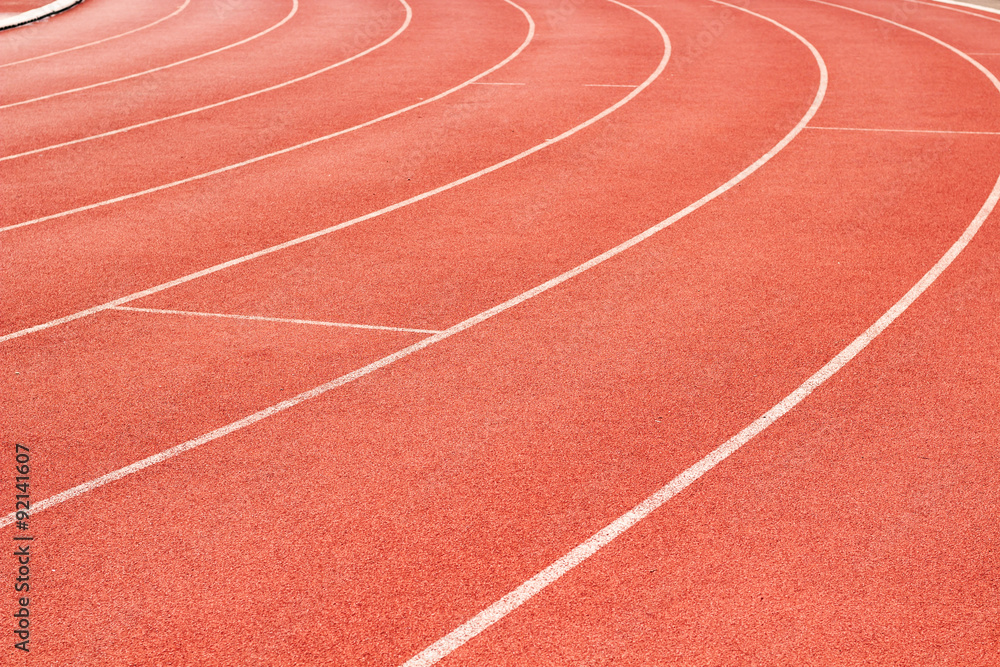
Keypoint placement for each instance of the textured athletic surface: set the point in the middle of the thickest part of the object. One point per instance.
(366, 523)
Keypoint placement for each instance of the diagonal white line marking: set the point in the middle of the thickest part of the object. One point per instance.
(261, 318)
(129, 128)
(101, 41)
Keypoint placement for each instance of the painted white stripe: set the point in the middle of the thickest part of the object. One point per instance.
(101, 41)
(609, 85)
(284, 320)
(883, 129)
(399, 31)
(396, 356)
(497, 83)
(289, 149)
(585, 550)
(295, 8)
(37, 14)
(508, 603)
(962, 11)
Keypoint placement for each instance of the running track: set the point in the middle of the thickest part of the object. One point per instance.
(376, 331)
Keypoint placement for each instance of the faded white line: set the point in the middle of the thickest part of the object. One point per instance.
(284, 320)
(609, 85)
(497, 83)
(289, 149)
(399, 31)
(101, 41)
(585, 550)
(295, 8)
(884, 129)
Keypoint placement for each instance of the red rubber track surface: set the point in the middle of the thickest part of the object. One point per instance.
(363, 525)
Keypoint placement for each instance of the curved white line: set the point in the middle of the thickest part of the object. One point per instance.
(289, 149)
(295, 8)
(101, 41)
(399, 31)
(533, 586)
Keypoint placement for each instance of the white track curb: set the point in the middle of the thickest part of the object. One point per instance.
(38, 14)
(970, 5)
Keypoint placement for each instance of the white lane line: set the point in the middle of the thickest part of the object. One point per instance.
(883, 129)
(585, 550)
(295, 8)
(289, 149)
(984, 54)
(962, 11)
(405, 352)
(260, 318)
(510, 602)
(609, 85)
(399, 31)
(497, 83)
(101, 41)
